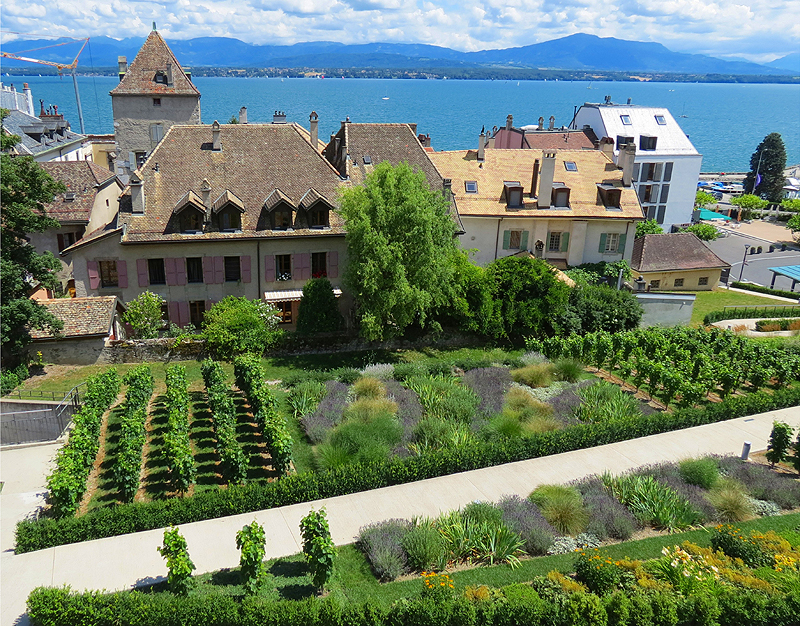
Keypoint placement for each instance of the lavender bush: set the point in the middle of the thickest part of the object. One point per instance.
(381, 371)
(409, 409)
(761, 482)
(328, 412)
(382, 544)
(490, 384)
(607, 517)
(525, 519)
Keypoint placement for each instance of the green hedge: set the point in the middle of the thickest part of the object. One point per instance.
(518, 605)
(784, 323)
(759, 289)
(751, 312)
(138, 516)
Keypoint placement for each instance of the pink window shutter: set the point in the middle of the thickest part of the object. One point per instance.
(94, 274)
(219, 269)
(180, 271)
(269, 268)
(169, 269)
(208, 270)
(333, 264)
(209, 304)
(141, 270)
(244, 262)
(122, 274)
(174, 313)
(305, 266)
(183, 313)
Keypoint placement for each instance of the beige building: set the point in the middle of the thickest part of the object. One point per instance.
(676, 262)
(566, 206)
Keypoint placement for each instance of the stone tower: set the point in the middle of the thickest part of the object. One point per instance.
(154, 93)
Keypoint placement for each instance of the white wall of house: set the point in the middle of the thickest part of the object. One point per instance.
(71, 152)
(488, 236)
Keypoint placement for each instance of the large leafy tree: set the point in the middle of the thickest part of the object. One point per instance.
(648, 227)
(24, 190)
(766, 169)
(401, 250)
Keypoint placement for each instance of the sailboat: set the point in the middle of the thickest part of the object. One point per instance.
(590, 86)
(683, 111)
(385, 98)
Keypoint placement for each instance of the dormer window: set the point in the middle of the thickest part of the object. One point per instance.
(471, 186)
(647, 142)
(512, 190)
(625, 119)
(560, 195)
(230, 219)
(161, 78)
(69, 196)
(661, 120)
(191, 220)
(610, 196)
(318, 217)
(282, 218)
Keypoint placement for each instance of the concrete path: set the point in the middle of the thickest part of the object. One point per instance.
(123, 562)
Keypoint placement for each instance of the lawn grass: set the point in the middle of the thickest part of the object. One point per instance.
(707, 301)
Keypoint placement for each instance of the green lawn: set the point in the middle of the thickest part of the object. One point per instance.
(708, 301)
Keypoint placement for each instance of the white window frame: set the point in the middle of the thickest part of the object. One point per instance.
(612, 243)
(554, 237)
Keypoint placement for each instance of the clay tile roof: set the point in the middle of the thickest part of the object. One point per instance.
(673, 252)
(225, 198)
(275, 197)
(82, 317)
(153, 57)
(310, 197)
(189, 198)
(501, 165)
(82, 179)
(255, 161)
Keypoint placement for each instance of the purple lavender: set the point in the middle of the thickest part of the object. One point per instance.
(382, 544)
(409, 410)
(761, 482)
(328, 414)
(607, 517)
(490, 384)
(525, 519)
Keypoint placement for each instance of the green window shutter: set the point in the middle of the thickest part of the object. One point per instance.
(506, 239)
(564, 242)
(523, 242)
(602, 243)
(621, 248)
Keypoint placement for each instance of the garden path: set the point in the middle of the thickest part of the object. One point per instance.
(128, 560)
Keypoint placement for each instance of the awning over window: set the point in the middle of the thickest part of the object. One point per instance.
(291, 295)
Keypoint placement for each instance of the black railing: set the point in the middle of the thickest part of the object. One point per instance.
(36, 425)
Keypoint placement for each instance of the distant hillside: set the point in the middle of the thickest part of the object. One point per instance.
(575, 52)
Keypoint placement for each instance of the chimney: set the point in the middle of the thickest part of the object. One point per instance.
(313, 123)
(552, 123)
(546, 175)
(607, 147)
(541, 124)
(629, 101)
(29, 98)
(279, 117)
(509, 122)
(534, 178)
(137, 195)
(243, 115)
(123, 67)
(169, 74)
(216, 144)
(425, 140)
(481, 143)
(413, 128)
(627, 155)
(447, 188)
(205, 191)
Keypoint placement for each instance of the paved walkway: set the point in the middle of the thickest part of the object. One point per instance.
(123, 562)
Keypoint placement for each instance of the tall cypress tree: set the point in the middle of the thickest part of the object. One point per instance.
(771, 154)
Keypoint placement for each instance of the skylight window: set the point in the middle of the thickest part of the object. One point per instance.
(471, 186)
(367, 159)
(571, 166)
(626, 119)
(661, 120)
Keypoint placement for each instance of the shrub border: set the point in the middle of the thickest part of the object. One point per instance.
(767, 290)
(750, 312)
(139, 516)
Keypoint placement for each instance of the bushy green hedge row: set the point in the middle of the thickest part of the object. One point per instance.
(250, 379)
(127, 462)
(751, 312)
(108, 522)
(761, 289)
(177, 447)
(517, 605)
(783, 324)
(223, 420)
(67, 484)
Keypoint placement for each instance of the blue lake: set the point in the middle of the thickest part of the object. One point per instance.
(724, 121)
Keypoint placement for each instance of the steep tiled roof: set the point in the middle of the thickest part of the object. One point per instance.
(82, 178)
(82, 317)
(154, 56)
(35, 134)
(673, 252)
(542, 139)
(498, 166)
(255, 160)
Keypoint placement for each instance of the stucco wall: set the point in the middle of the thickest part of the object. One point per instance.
(690, 279)
(665, 309)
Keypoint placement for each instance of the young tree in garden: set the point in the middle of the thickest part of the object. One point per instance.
(704, 232)
(318, 547)
(251, 540)
(318, 312)
(766, 169)
(237, 326)
(400, 245)
(650, 227)
(24, 190)
(779, 440)
(179, 564)
(144, 315)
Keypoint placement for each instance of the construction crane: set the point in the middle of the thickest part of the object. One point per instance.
(59, 67)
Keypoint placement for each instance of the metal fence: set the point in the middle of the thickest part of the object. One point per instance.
(36, 425)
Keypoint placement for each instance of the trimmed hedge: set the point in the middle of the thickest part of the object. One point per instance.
(751, 312)
(519, 604)
(783, 324)
(760, 289)
(108, 522)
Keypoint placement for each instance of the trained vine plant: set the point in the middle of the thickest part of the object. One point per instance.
(177, 447)
(180, 566)
(318, 547)
(251, 540)
(234, 462)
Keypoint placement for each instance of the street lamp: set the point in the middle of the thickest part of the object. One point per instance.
(744, 261)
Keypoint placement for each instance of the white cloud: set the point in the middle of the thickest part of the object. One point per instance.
(744, 28)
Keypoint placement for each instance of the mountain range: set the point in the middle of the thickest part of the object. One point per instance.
(574, 52)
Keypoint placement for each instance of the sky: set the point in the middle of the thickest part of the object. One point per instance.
(756, 30)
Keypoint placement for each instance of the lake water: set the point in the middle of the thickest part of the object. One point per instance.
(724, 121)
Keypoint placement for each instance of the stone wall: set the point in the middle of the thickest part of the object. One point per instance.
(85, 351)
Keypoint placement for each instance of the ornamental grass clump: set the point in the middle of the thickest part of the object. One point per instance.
(368, 387)
(424, 547)
(444, 397)
(562, 507)
(730, 501)
(605, 402)
(569, 370)
(701, 472)
(536, 375)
